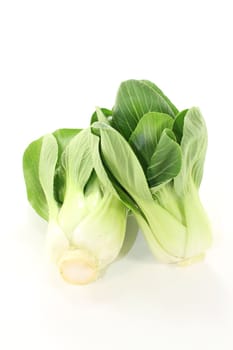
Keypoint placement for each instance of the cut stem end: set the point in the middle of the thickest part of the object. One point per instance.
(78, 267)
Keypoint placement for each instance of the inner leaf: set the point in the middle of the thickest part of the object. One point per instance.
(146, 136)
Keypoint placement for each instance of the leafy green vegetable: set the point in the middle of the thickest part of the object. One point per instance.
(86, 220)
(163, 163)
(144, 156)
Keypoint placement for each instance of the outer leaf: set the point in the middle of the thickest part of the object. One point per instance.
(193, 146)
(98, 164)
(145, 137)
(47, 164)
(179, 124)
(122, 162)
(134, 99)
(31, 160)
(166, 161)
(107, 179)
(63, 137)
(77, 161)
(34, 189)
(78, 165)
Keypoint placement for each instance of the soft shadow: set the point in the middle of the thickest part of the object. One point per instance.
(130, 236)
(194, 294)
(141, 251)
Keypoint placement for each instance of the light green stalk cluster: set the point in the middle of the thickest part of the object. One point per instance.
(86, 223)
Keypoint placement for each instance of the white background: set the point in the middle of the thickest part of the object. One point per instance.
(59, 59)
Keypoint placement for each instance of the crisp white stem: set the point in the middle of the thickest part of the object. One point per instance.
(56, 241)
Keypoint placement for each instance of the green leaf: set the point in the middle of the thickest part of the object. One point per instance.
(155, 88)
(63, 137)
(193, 147)
(134, 99)
(145, 137)
(179, 124)
(98, 164)
(166, 161)
(35, 193)
(47, 164)
(101, 116)
(105, 176)
(77, 161)
(122, 162)
(106, 112)
(31, 159)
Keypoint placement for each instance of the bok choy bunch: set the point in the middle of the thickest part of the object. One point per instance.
(154, 156)
(86, 221)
